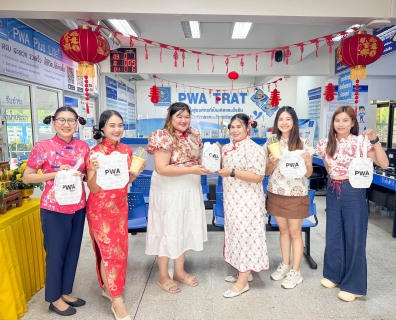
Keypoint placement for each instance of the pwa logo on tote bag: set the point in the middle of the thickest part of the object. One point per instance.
(68, 187)
(292, 165)
(113, 171)
(363, 174)
(211, 158)
(361, 169)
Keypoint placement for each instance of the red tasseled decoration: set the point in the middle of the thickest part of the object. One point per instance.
(329, 92)
(154, 94)
(275, 98)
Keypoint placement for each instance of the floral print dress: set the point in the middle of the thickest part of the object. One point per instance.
(245, 245)
(107, 214)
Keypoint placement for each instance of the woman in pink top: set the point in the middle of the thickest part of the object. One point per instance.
(345, 262)
(62, 225)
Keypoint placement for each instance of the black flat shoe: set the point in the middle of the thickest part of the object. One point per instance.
(78, 303)
(68, 312)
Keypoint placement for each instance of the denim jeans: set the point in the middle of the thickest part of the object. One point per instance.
(346, 232)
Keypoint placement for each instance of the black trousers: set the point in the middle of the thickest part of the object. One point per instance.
(62, 243)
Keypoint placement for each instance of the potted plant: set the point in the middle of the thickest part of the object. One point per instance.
(16, 181)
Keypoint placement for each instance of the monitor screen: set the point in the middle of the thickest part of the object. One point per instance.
(391, 156)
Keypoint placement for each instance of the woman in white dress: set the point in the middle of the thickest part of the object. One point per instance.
(243, 169)
(176, 218)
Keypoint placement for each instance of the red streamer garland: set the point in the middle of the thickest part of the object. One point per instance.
(183, 57)
(287, 55)
(330, 43)
(227, 61)
(175, 57)
(302, 51)
(146, 50)
(256, 59)
(272, 57)
(198, 62)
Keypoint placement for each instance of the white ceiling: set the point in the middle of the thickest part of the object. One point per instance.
(275, 24)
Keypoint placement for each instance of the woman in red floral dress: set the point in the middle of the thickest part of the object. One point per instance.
(107, 214)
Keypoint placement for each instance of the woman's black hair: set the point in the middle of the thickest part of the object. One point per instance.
(294, 142)
(244, 118)
(48, 119)
(104, 117)
(178, 107)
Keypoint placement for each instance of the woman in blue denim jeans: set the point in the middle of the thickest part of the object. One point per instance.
(345, 262)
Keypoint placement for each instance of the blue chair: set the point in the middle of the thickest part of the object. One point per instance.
(218, 211)
(137, 211)
(142, 184)
(205, 187)
(146, 173)
(306, 228)
(265, 183)
(219, 185)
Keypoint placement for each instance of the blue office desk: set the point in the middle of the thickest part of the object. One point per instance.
(382, 191)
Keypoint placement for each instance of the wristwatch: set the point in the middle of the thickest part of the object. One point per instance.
(374, 141)
(232, 174)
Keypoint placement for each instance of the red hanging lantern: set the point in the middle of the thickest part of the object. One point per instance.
(329, 92)
(218, 99)
(154, 94)
(233, 75)
(275, 98)
(358, 51)
(86, 47)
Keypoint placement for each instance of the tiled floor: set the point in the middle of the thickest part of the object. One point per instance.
(265, 299)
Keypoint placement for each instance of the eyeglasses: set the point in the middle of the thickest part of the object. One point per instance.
(70, 122)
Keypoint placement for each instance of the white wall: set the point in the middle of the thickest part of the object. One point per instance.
(145, 107)
(303, 85)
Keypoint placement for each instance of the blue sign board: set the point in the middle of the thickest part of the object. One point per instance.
(345, 86)
(386, 34)
(314, 94)
(165, 97)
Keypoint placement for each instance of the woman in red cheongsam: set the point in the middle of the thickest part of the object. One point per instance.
(107, 214)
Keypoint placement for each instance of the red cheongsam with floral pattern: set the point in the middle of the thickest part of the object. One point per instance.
(107, 214)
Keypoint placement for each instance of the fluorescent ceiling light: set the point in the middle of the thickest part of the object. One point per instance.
(124, 27)
(191, 29)
(240, 30)
(195, 30)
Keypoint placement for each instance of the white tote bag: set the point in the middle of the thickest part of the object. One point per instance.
(292, 165)
(361, 169)
(68, 187)
(113, 171)
(211, 158)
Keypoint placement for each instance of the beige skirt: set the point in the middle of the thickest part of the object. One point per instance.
(287, 206)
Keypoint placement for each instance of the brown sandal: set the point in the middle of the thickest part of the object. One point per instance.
(188, 280)
(168, 286)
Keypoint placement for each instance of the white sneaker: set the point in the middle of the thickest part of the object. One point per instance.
(292, 279)
(281, 272)
(232, 279)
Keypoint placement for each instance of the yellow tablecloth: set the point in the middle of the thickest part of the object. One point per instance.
(22, 258)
